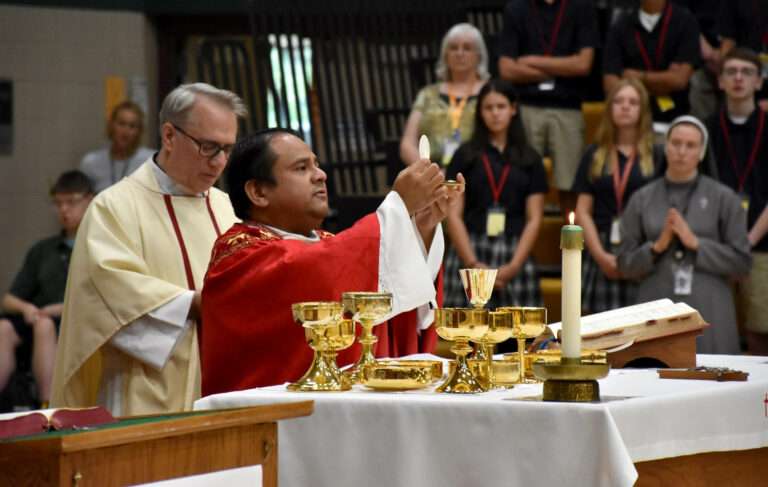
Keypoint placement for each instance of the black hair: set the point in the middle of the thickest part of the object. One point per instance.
(481, 137)
(252, 158)
(72, 182)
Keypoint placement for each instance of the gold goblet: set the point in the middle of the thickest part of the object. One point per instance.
(478, 286)
(326, 332)
(500, 328)
(460, 325)
(367, 308)
(528, 323)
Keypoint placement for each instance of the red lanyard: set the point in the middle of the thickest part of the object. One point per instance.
(550, 48)
(620, 180)
(495, 190)
(742, 178)
(659, 46)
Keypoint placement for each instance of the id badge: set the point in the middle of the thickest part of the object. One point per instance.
(449, 148)
(683, 279)
(615, 232)
(665, 103)
(547, 85)
(744, 201)
(764, 61)
(496, 222)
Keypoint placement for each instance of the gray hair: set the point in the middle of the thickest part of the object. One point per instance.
(691, 120)
(177, 104)
(441, 70)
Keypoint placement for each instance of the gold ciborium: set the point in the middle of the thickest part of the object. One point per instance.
(528, 323)
(327, 332)
(367, 308)
(460, 325)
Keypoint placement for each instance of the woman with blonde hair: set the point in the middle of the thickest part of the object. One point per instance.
(444, 111)
(621, 161)
(124, 154)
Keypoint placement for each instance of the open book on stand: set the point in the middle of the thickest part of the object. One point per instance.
(34, 422)
(620, 328)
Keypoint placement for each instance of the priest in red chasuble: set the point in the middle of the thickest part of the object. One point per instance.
(277, 257)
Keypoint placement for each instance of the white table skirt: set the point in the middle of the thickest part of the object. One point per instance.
(422, 438)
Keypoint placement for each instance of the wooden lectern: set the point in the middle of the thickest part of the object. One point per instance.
(150, 448)
(661, 331)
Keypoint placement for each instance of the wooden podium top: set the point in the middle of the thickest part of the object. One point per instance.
(143, 428)
(149, 448)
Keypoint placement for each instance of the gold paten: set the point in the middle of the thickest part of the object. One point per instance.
(398, 375)
(326, 332)
(528, 322)
(571, 380)
(368, 309)
(460, 325)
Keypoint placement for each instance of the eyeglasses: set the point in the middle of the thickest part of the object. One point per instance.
(207, 148)
(745, 72)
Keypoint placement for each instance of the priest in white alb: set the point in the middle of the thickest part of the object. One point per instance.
(129, 334)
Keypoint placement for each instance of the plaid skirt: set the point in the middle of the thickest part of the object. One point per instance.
(598, 293)
(522, 290)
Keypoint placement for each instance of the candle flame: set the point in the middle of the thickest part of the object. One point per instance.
(571, 217)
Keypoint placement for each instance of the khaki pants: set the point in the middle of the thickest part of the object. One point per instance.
(755, 291)
(558, 133)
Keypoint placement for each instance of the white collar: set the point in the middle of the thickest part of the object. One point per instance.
(738, 120)
(290, 235)
(649, 21)
(168, 185)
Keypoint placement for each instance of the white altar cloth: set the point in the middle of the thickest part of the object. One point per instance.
(421, 438)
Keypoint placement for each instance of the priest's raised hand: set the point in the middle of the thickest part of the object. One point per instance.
(419, 185)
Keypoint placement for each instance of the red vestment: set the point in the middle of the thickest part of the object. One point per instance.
(250, 338)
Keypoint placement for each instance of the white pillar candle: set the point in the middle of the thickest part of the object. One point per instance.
(572, 244)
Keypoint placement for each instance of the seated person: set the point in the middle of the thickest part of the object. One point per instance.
(34, 302)
(108, 165)
(275, 258)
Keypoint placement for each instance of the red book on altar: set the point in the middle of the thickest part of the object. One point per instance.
(34, 422)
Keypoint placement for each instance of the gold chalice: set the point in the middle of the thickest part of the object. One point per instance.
(528, 323)
(367, 308)
(500, 328)
(478, 286)
(326, 332)
(460, 325)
